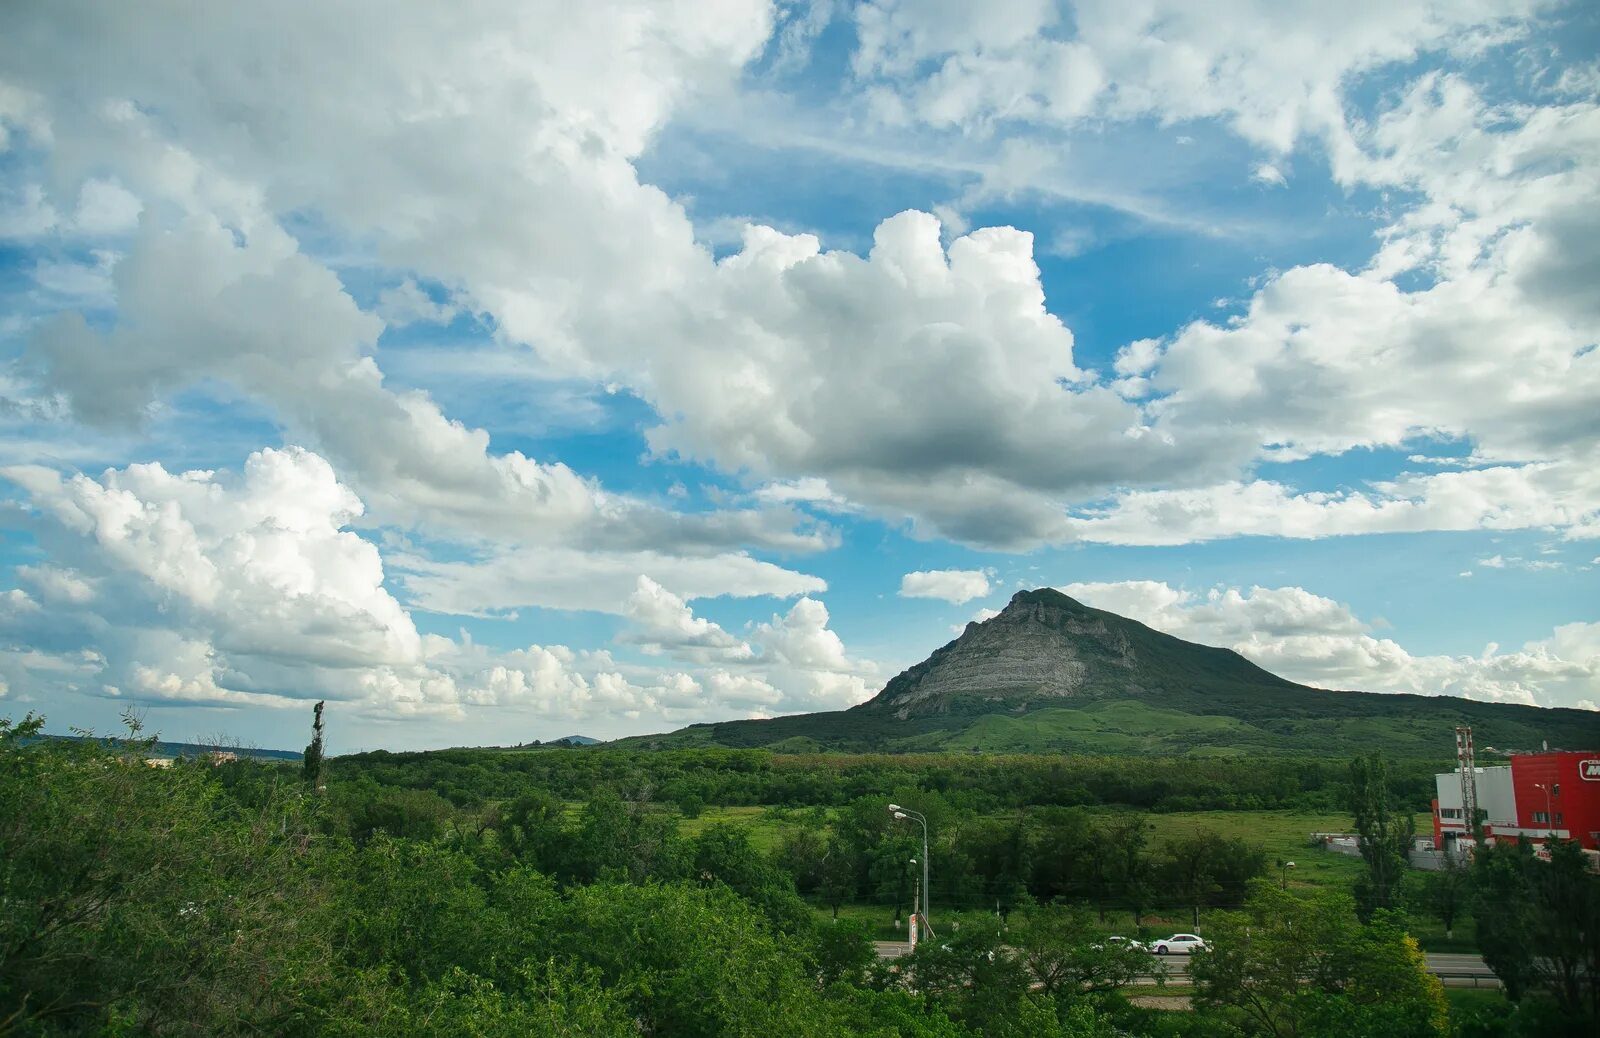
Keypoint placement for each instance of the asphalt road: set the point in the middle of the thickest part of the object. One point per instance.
(1452, 968)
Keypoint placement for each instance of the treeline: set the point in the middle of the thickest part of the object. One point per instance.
(854, 855)
(983, 782)
(860, 854)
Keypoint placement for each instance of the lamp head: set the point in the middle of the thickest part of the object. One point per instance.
(893, 808)
(900, 815)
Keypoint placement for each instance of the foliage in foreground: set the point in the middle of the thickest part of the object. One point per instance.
(240, 899)
(1305, 966)
(170, 902)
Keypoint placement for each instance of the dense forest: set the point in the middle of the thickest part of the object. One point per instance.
(984, 782)
(250, 897)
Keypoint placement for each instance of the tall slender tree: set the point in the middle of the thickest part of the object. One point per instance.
(1384, 834)
(312, 766)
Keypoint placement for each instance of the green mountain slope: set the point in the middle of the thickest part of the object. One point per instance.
(1049, 674)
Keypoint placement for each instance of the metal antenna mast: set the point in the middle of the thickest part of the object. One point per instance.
(1469, 782)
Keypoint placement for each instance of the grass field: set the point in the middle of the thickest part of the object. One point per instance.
(1285, 835)
(1464, 1001)
(761, 823)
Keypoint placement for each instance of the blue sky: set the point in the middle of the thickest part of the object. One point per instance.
(504, 376)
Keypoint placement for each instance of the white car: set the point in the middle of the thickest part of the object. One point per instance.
(1118, 942)
(1179, 944)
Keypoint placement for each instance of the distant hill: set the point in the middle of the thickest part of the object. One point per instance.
(1050, 674)
(578, 740)
(193, 749)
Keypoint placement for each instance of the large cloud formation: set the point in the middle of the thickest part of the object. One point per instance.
(206, 588)
(925, 381)
(223, 183)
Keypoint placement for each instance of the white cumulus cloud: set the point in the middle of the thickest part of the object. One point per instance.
(951, 585)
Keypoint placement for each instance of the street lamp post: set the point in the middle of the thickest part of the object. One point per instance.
(902, 814)
(1549, 818)
(1283, 874)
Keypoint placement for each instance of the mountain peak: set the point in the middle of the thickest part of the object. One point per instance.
(1043, 596)
(1045, 645)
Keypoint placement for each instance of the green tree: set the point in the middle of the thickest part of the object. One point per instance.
(1384, 835)
(546, 1001)
(420, 908)
(691, 962)
(1292, 966)
(533, 830)
(1539, 923)
(1063, 854)
(1066, 954)
(1125, 864)
(865, 1013)
(838, 875)
(893, 874)
(1188, 869)
(800, 852)
(724, 854)
(415, 814)
(620, 839)
(1442, 894)
(971, 975)
(124, 889)
(1000, 854)
(1235, 861)
(844, 953)
(311, 763)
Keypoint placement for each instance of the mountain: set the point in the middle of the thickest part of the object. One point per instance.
(1050, 674)
(1046, 646)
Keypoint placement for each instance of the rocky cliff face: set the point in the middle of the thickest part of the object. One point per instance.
(1047, 646)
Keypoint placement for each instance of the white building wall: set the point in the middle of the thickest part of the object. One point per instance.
(1496, 797)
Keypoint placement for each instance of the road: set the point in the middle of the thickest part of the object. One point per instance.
(1455, 970)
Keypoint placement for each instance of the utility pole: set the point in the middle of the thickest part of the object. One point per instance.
(911, 924)
(902, 814)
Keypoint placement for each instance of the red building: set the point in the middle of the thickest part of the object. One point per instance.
(1559, 792)
(1539, 797)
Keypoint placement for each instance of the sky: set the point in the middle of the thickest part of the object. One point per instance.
(504, 371)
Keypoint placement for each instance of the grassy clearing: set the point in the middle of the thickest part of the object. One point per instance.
(1464, 1000)
(878, 919)
(1430, 934)
(763, 824)
(1285, 835)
